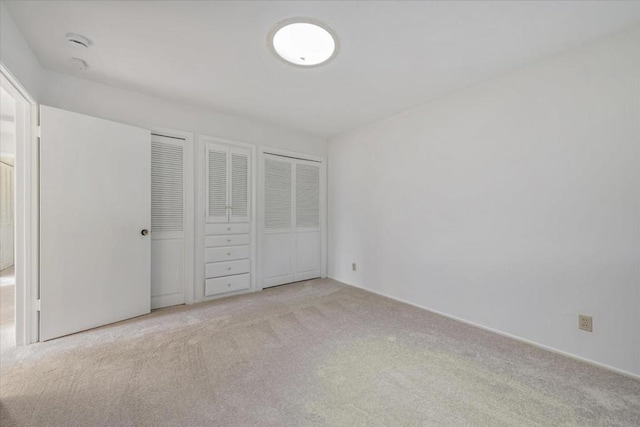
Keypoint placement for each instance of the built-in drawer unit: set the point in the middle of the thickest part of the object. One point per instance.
(227, 268)
(226, 254)
(227, 229)
(221, 285)
(230, 240)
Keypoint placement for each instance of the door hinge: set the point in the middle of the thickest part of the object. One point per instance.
(39, 131)
(38, 305)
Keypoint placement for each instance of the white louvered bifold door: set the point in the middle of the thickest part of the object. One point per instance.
(167, 221)
(307, 216)
(217, 182)
(278, 244)
(239, 209)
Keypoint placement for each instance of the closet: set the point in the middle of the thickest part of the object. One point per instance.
(227, 240)
(291, 228)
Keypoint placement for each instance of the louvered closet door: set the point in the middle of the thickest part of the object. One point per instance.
(278, 243)
(168, 177)
(307, 216)
(217, 183)
(239, 208)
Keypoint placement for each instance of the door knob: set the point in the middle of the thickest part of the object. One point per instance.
(144, 232)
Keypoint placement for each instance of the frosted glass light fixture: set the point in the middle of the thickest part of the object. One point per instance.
(303, 42)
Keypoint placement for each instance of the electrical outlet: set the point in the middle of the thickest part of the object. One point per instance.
(585, 323)
(353, 266)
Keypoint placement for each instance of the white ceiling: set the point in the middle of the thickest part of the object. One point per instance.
(393, 55)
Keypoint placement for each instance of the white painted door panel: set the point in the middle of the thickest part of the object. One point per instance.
(307, 233)
(168, 220)
(277, 258)
(94, 201)
(307, 255)
(277, 247)
(167, 272)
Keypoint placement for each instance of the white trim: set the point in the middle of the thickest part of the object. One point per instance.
(200, 214)
(262, 151)
(324, 208)
(27, 220)
(17, 85)
(498, 332)
(189, 212)
(289, 153)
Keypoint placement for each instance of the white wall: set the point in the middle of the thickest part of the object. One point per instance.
(17, 56)
(125, 106)
(514, 204)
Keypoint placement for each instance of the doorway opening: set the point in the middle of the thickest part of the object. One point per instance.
(18, 214)
(7, 219)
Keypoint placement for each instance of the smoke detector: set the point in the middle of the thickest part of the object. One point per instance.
(78, 41)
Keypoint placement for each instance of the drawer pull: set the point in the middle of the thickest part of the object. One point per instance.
(229, 268)
(228, 284)
(228, 240)
(228, 253)
(229, 228)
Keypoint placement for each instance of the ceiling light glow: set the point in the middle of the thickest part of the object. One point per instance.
(303, 43)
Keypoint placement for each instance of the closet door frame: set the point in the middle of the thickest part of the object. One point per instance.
(322, 161)
(201, 212)
(189, 208)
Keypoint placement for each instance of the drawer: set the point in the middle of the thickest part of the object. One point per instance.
(231, 240)
(226, 254)
(220, 285)
(227, 229)
(227, 268)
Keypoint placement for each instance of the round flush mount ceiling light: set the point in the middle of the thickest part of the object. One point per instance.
(303, 42)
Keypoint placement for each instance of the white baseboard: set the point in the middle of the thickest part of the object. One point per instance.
(495, 331)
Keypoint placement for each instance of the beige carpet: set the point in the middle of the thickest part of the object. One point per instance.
(317, 353)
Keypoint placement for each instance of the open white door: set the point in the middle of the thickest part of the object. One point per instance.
(95, 198)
